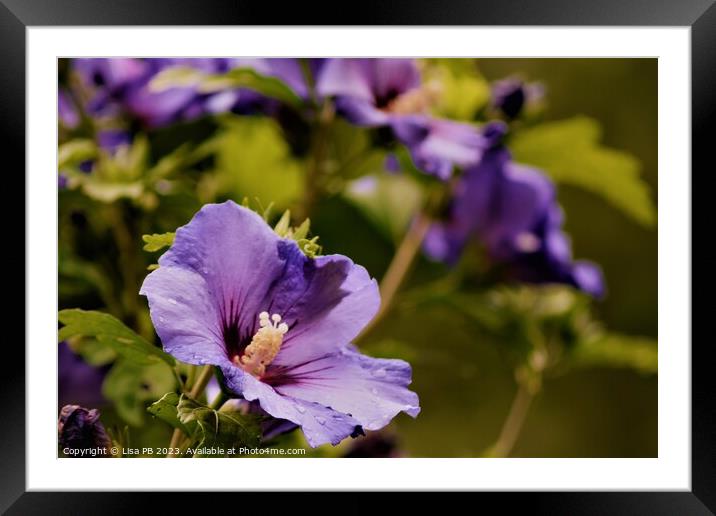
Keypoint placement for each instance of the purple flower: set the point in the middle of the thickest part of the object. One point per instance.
(510, 96)
(79, 429)
(512, 210)
(389, 93)
(78, 382)
(67, 110)
(122, 85)
(278, 324)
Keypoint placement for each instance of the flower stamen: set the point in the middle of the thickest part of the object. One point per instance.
(264, 346)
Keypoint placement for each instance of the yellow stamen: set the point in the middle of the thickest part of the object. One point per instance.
(265, 345)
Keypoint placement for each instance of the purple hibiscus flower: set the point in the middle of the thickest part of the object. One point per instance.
(389, 93)
(511, 96)
(78, 382)
(512, 210)
(278, 324)
(123, 85)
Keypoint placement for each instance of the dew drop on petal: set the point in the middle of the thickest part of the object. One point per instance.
(300, 409)
(172, 300)
(321, 421)
(379, 373)
(374, 391)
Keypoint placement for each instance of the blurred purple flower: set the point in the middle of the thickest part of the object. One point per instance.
(80, 429)
(511, 95)
(389, 93)
(67, 110)
(278, 324)
(78, 382)
(512, 210)
(119, 84)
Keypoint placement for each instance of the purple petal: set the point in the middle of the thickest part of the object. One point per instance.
(320, 424)
(361, 112)
(371, 390)
(346, 78)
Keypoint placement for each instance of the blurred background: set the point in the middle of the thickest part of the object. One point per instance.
(462, 377)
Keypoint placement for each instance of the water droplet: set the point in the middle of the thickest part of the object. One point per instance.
(379, 373)
(172, 301)
(205, 270)
(321, 421)
(300, 409)
(374, 391)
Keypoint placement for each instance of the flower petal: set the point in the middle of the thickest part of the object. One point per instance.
(371, 390)
(326, 302)
(235, 252)
(320, 424)
(184, 315)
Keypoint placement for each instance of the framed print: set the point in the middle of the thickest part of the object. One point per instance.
(393, 256)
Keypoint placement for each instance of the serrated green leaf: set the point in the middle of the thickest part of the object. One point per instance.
(226, 429)
(166, 410)
(617, 350)
(253, 160)
(388, 201)
(112, 332)
(570, 152)
(130, 386)
(158, 241)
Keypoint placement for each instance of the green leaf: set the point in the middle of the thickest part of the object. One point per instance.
(226, 429)
(110, 331)
(130, 386)
(253, 160)
(184, 76)
(616, 350)
(75, 152)
(250, 79)
(176, 77)
(388, 201)
(462, 91)
(158, 241)
(570, 152)
(166, 410)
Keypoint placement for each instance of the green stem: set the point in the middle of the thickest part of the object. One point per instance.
(196, 390)
(514, 422)
(399, 267)
(317, 160)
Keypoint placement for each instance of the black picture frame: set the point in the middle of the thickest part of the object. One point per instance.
(17, 15)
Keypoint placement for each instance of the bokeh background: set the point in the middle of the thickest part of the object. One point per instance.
(464, 384)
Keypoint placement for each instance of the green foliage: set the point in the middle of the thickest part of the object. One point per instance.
(112, 332)
(74, 152)
(165, 409)
(130, 386)
(222, 428)
(158, 241)
(570, 152)
(388, 201)
(248, 78)
(461, 91)
(616, 350)
(547, 327)
(309, 247)
(253, 160)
